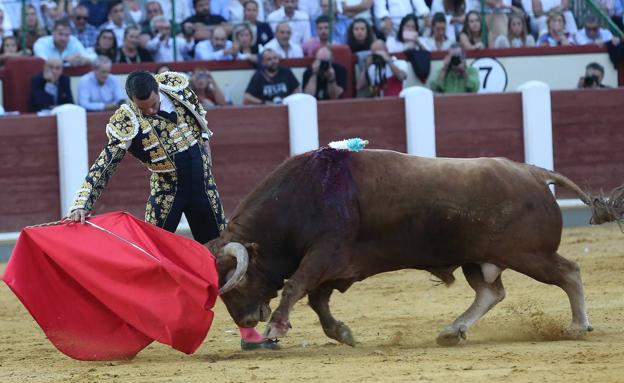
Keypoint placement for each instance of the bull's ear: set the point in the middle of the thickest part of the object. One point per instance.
(252, 248)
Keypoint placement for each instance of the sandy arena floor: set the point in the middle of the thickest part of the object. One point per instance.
(395, 318)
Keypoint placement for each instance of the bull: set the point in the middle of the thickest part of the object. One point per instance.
(328, 218)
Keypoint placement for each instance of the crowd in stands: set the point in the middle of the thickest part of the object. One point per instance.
(101, 32)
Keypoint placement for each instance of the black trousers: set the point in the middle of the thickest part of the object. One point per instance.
(191, 198)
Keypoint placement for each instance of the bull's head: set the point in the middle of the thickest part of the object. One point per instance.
(242, 290)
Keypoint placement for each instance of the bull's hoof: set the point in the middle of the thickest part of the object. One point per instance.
(277, 329)
(575, 331)
(342, 333)
(451, 336)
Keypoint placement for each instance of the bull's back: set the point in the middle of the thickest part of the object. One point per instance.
(454, 206)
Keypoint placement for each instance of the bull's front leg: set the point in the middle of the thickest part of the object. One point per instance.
(308, 276)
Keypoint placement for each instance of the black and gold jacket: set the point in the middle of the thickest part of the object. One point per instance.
(152, 140)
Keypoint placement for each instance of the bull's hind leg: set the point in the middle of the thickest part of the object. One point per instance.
(556, 270)
(489, 291)
(319, 301)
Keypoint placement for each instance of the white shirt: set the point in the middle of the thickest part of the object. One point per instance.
(162, 51)
(294, 50)
(205, 51)
(184, 9)
(581, 38)
(397, 9)
(299, 24)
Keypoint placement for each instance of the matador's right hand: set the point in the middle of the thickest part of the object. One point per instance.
(79, 215)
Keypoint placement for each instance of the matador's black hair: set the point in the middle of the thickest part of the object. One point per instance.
(140, 84)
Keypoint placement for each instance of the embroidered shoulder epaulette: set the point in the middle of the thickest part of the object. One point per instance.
(123, 125)
(172, 81)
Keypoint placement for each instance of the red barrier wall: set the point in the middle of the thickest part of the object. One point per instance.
(250, 142)
(588, 137)
(381, 121)
(484, 125)
(29, 178)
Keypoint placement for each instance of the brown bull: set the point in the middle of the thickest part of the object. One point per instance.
(326, 219)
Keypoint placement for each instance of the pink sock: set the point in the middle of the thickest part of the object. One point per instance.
(250, 334)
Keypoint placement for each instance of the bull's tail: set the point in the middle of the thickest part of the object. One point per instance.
(604, 207)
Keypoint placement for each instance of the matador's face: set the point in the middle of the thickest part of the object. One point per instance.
(149, 106)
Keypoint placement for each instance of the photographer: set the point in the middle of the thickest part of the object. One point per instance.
(384, 74)
(455, 76)
(324, 79)
(594, 74)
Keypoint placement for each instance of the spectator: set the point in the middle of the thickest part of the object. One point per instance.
(384, 75)
(470, 36)
(592, 33)
(183, 9)
(52, 11)
(50, 88)
(33, 29)
(262, 31)
(9, 48)
(161, 45)
(354, 9)
(556, 35)
(106, 44)
(133, 11)
(455, 76)
(311, 8)
(130, 51)
(494, 14)
(282, 43)
(594, 74)
(541, 10)
(454, 12)
(407, 36)
(617, 13)
(85, 32)
(217, 48)
(62, 45)
(321, 37)
(116, 21)
(5, 30)
(341, 22)
(439, 40)
(243, 38)
(235, 10)
(207, 89)
(98, 11)
(397, 9)
(299, 21)
(271, 83)
(205, 21)
(325, 79)
(152, 9)
(360, 36)
(518, 36)
(98, 90)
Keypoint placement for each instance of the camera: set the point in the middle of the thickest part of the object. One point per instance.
(590, 81)
(324, 66)
(378, 60)
(455, 60)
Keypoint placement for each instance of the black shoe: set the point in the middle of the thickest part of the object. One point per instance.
(267, 344)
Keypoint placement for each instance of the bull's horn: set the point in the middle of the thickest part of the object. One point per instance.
(239, 252)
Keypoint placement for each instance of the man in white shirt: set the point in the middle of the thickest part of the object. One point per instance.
(397, 9)
(282, 42)
(62, 45)
(217, 48)
(115, 21)
(592, 33)
(98, 90)
(161, 45)
(299, 21)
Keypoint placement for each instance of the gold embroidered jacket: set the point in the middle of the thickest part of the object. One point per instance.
(149, 139)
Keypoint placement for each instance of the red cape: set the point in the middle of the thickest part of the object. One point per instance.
(102, 295)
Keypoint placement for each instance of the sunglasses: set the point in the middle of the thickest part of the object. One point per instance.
(81, 17)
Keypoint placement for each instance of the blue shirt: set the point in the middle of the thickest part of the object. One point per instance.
(94, 96)
(44, 47)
